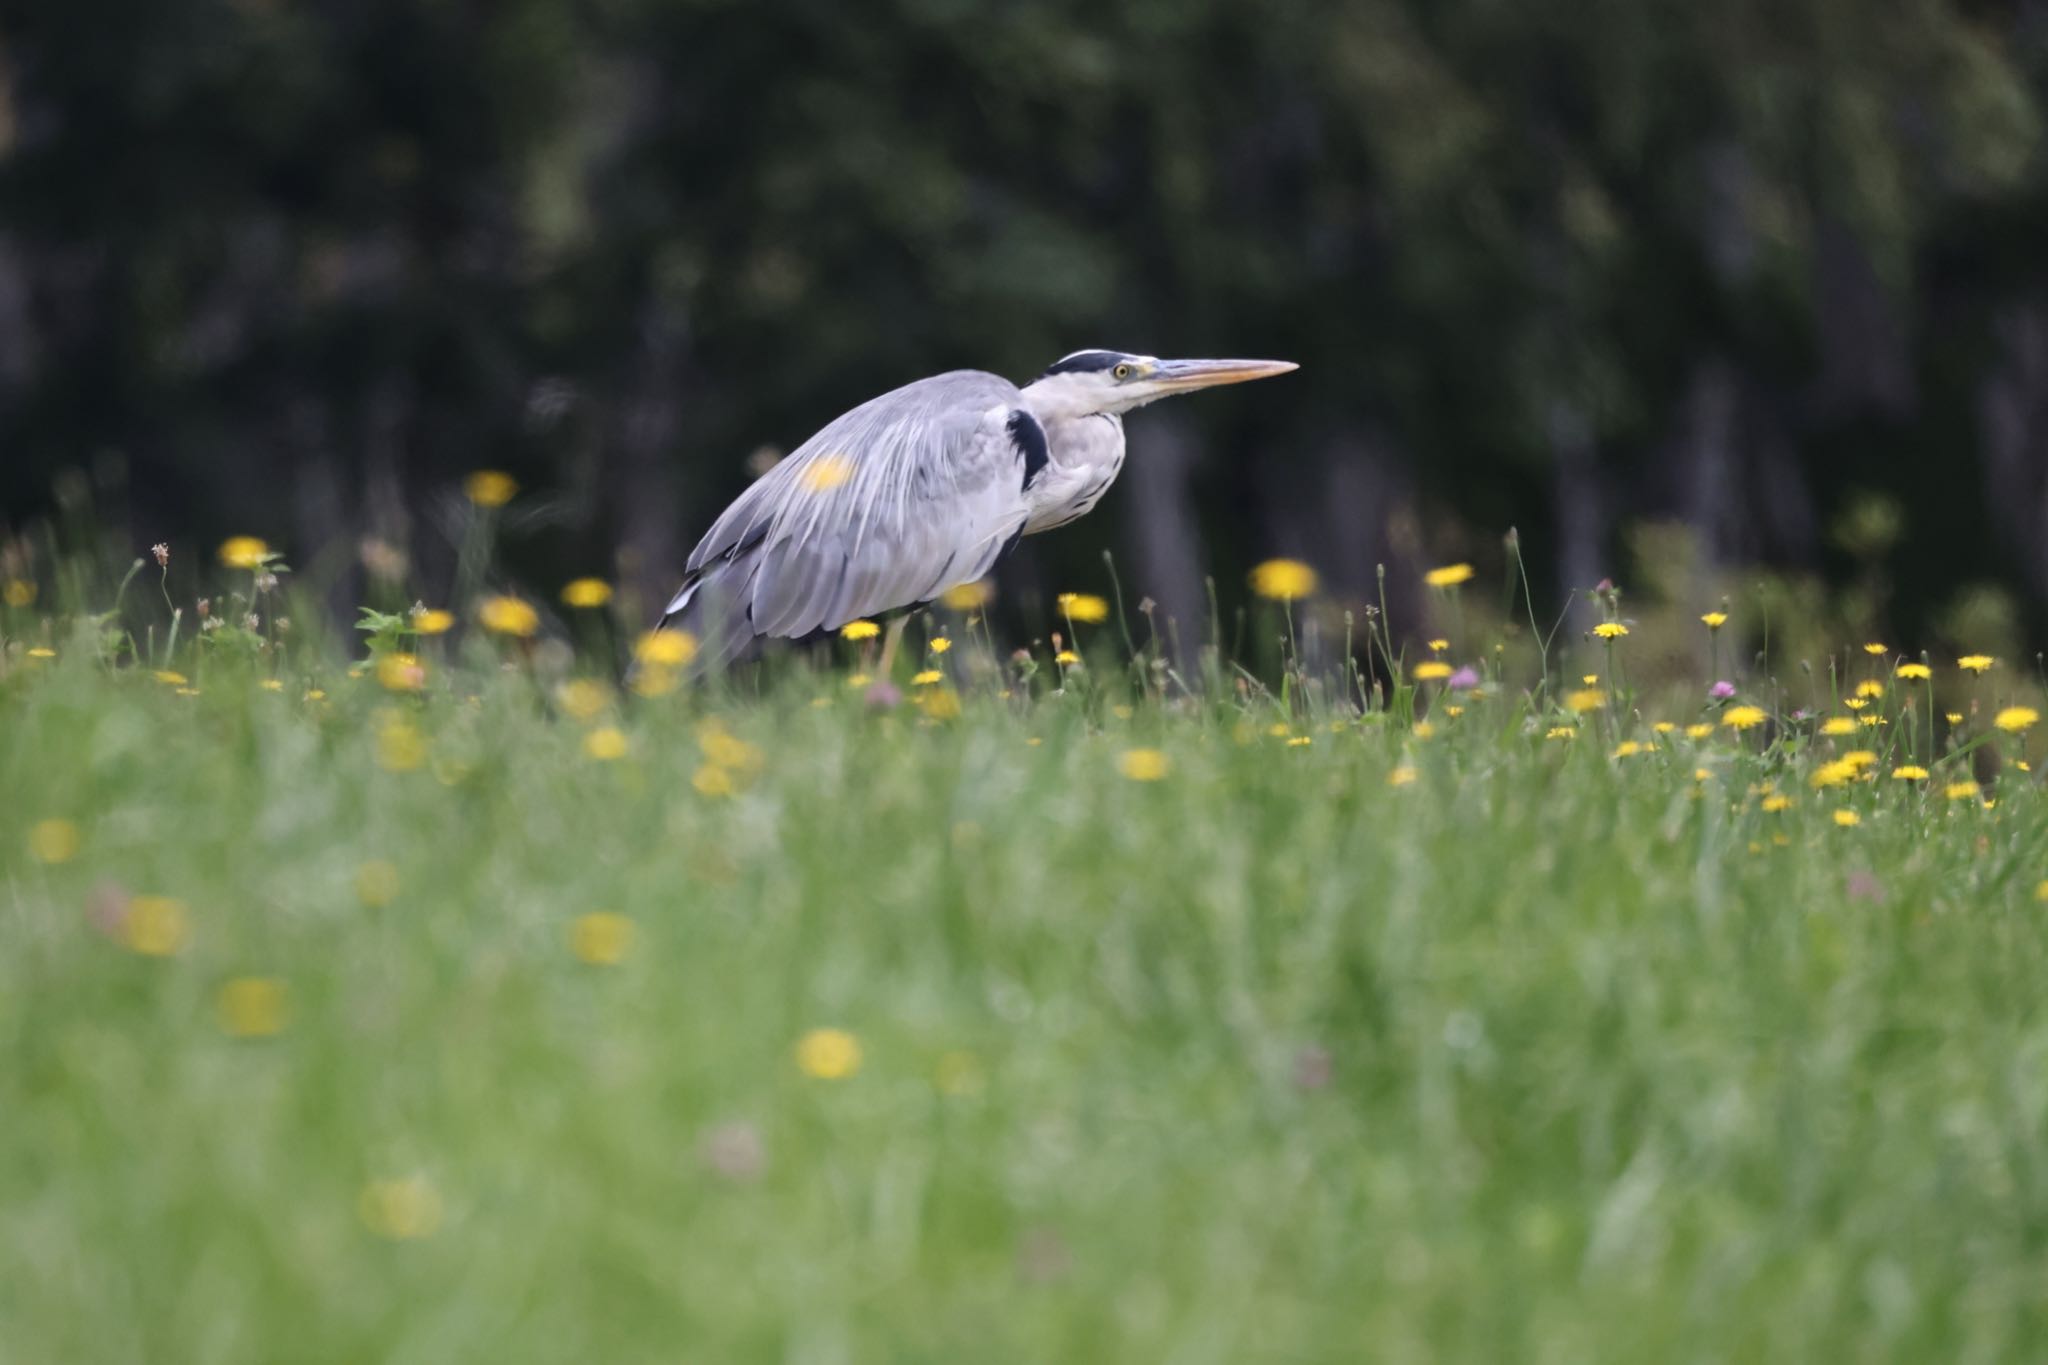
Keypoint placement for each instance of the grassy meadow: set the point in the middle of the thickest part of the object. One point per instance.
(463, 998)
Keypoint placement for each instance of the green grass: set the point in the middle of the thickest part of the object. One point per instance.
(1545, 1055)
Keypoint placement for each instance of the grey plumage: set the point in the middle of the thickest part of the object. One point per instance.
(917, 491)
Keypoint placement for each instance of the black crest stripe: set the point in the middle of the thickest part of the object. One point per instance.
(1029, 438)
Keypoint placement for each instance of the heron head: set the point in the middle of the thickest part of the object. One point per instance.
(1090, 382)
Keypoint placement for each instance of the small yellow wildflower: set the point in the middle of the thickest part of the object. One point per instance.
(828, 1054)
(400, 747)
(2041, 890)
(1449, 576)
(432, 621)
(401, 672)
(1083, 606)
(2016, 718)
(858, 680)
(377, 883)
(1300, 742)
(1715, 619)
(1915, 672)
(504, 615)
(1439, 646)
(601, 938)
(315, 694)
(1859, 759)
(1870, 687)
(1909, 772)
(1610, 630)
(1874, 647)
(940, 645)
(155, 926)
(250, 1007)
(169, 678)
(586, 592)
(490, 487)
(1846, 818)
(605, 744)
(271, 685)
(1067, 658)
(1777, 802)
(583, 698)
(403, 1210)
(1454, 711)
(824, 473)
(968, 596)
(1432, 670)
(939, 703)
(668, 648)
(1975, 663)
(1839, 725)
(859, 630)
(712, 780)
(1961, 791)
(1832, 774)
(1561, 732)
(42, 652)
(1699, 730)
(927, 678)
(1402, 776)
(18, 592)
(1953, 717)
(243, 552)
(1143, 765)
(53, 841)
(1628, 748)
(1587, 699)
(1664, 727)
(1590, 679)
(1283, 580)
(1744, 717)
(1423, 729)
(1855, 703)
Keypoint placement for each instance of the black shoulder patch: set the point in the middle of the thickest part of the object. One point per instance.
(1029, 438)
(1080, 362)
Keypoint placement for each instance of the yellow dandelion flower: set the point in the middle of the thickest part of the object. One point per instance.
(1846, 818)
(1875, 647)
(939, 703)
(2016, 718)
(1300, 741)
(1664, 727)
(968, 596)
(377, 883)
(828, 1054)
(1083, 606)
(271, 685)
(586, 592)
(42, 652)
(243, 552)
(1777, 802)
(1698, 731)
(1628, 748)
(1859, 759)
(1402, 776)
(1975, 663)
(1838, 725)
(1872, 721)
(1832, 774)
(156, 926)
(169, 678)
(927, 678)
(1590, 679)
(825, 473)
(1431, 670)
(250, 1007)
(1855, 703)
(53, 841)
(1909, 772)
(859, 630)
(1915, 672)
(1143, 765)
(1610, 630)
(1715, 619)
(712, 780)
(605, 744)
(432, 621)
(315, 694)
(401, 672)
(400, 747)
(1454, 711)
(858, 680)
(601, 938)
(1439, 646)
(940, 645)
(583, 698)
(1561, 732)
(1953, 717)
(1961, 791)
(490, 487)
(1702, 774)
(1744, 717)
(502, 615)
(1283, 580)
(667, 648)
(1870, 687)
(403, 1210)
(1423, 729)
(1067, 658)
(1449, 576)
(18, 592)
(1586, 699)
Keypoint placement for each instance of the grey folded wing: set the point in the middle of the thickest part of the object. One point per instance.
(888, 506)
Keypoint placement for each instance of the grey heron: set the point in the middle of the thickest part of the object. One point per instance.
(920, 490)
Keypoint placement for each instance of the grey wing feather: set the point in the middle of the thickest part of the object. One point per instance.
(887, 506)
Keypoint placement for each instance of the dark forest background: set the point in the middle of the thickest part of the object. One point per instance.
(1775, 271)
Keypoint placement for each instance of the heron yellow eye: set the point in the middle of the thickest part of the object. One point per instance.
(1121, 372)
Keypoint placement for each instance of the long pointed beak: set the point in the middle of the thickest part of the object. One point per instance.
(1180, 376)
